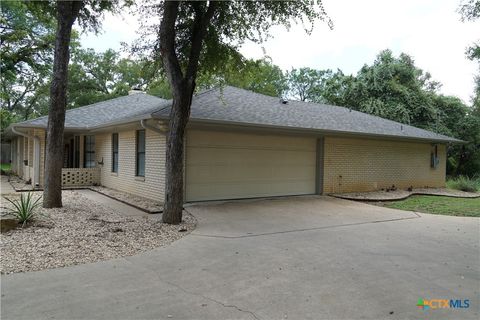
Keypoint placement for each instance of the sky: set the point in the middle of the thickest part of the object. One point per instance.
(428, 30)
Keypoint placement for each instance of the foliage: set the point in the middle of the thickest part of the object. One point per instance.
(232, 23)
(469, 10)
(464, 183)
(259, 76)
(391, 88)
(465, 207)
(5, 166)
(25, 208)
(307, 84)
(26, 51)
(6, 117)
(95, 77)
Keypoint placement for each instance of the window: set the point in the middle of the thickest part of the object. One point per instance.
(89, 152)
(115, 152)
(140, 149)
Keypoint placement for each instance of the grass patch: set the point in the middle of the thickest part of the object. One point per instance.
(439, 205)
(464, 183)
(5, 166)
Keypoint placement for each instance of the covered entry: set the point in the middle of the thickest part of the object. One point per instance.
(233, 165)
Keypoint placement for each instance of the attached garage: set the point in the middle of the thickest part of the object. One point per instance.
(233, 165)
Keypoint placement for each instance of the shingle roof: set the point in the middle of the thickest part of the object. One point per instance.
(239, 106)
(234, 105)
(97, 114)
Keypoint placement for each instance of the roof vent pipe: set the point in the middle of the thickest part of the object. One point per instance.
(283, 101)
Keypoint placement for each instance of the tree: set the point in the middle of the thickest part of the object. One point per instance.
(26, 45)
(260, 76)
(196, 35)
(338, 89)
(67, 12)
(392, 88)
(95, 77)
(469, 10)
(307, 84)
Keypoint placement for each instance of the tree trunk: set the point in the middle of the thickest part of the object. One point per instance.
(67, 12)
(182, 86)
(179, 115)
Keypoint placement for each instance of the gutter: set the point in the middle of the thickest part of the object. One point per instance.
(36, 155)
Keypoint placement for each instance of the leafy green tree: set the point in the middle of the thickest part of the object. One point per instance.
(338, 89)
(26, 45)
(95, 77)
(307, 84)
(260, 76)
(392, 88)
(197, 35)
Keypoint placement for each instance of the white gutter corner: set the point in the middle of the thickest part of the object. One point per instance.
(145, 125)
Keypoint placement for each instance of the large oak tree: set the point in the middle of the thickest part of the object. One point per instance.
(197, 35)
(87, 12)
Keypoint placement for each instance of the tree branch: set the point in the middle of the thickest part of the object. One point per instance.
(198, 34)
(167, 46)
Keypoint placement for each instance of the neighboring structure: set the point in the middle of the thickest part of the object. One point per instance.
(239, 144)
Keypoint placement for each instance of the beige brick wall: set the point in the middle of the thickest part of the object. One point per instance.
(154, 183)
(366, 164)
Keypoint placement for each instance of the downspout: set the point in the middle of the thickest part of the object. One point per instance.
(145, 125)
(36, 155)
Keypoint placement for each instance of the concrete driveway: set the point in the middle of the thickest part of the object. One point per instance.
(297, 258)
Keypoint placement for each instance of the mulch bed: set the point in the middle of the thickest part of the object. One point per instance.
(82, 232)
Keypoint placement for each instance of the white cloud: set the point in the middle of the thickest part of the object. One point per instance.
(428, 30)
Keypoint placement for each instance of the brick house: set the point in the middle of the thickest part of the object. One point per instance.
(239, 144)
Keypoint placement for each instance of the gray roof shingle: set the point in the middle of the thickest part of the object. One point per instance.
(100, 113)
(234, 105)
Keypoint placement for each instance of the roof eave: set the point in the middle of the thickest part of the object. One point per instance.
(121, 122)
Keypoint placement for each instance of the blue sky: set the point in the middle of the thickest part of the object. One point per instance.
(428, 30)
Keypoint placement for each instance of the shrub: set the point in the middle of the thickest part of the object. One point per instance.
(465, 183)
(25, 208)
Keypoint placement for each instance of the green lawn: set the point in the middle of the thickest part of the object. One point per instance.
(439, 205)
(5, 166)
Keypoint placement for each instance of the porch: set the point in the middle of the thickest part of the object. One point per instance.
(80, 167)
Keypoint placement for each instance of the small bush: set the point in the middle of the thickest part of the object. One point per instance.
(464, 183)
(25, 208)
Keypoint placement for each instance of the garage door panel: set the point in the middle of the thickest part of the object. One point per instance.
(251, 166)
(227, 174)
(229, 156)
(205, 139)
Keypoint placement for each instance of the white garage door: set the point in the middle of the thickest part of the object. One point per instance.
(225, 165)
